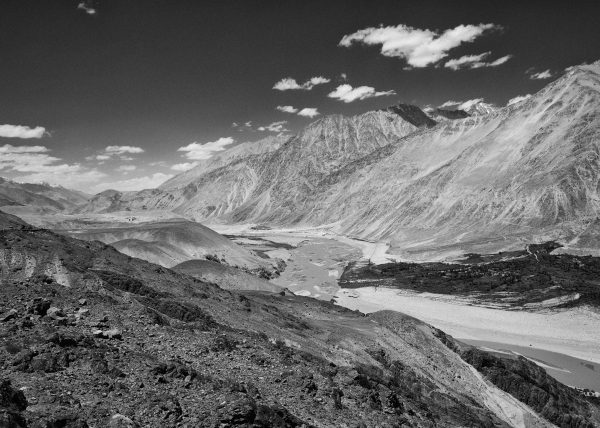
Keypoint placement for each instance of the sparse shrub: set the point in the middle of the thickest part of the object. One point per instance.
(213, 258)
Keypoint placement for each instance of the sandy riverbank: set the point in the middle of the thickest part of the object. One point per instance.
(574, 332)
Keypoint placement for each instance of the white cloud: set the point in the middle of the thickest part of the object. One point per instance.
(20, 131)
(418, 47)
(287, 83)
(518, 99)
(475, 61)
(26, 158)
(33, 164)
(309, 112)
(344, 76)
(87, 6)
(306, 112)
(158, 163)
(541, 75)
(122, 152)
(197, 151)
(287, 109)
(119, 150)
(347, 93)
(450, 103)
(499, 61)
(462, 105)
(8, 148)
(275, 127)
(184, 166)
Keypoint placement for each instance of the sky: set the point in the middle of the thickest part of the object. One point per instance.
(124, 94)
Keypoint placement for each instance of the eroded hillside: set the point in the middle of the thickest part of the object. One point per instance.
(152, 347)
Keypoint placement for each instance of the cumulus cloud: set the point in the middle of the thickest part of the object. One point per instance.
(347, 93)
(87, 6)
(184, 166)
(242, 126)
(20, 131)
(275, 127)
(547, 74)
(26, 158)
(461, 105)
(418, 47)
(121, 152)
(287, 109)
(518, 99)
(197, 151)
(288, 83)
(306, 111)
(475, 61)
(33, 164)
(309, 112)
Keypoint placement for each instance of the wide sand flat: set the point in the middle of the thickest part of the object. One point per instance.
(574, 332)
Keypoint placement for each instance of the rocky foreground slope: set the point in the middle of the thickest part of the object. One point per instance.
(522, 173)
(92, 337)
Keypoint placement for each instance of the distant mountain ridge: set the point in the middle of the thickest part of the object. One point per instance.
(40, 195)
(525, 171)
(273, 177)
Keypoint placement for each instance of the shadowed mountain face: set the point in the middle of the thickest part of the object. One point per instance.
(490, 181)
(450, 114)
(153, 347)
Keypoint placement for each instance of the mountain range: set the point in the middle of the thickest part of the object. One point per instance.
(489, 179)
(42, 197)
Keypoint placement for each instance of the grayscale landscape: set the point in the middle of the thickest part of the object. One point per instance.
(389, 258)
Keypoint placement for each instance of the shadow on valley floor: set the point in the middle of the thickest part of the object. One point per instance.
(532, 278)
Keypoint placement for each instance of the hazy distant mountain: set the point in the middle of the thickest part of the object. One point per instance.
(529, 170)
(40, 196)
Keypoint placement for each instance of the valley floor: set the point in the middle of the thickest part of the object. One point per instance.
(568, 339)
(574, 332)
